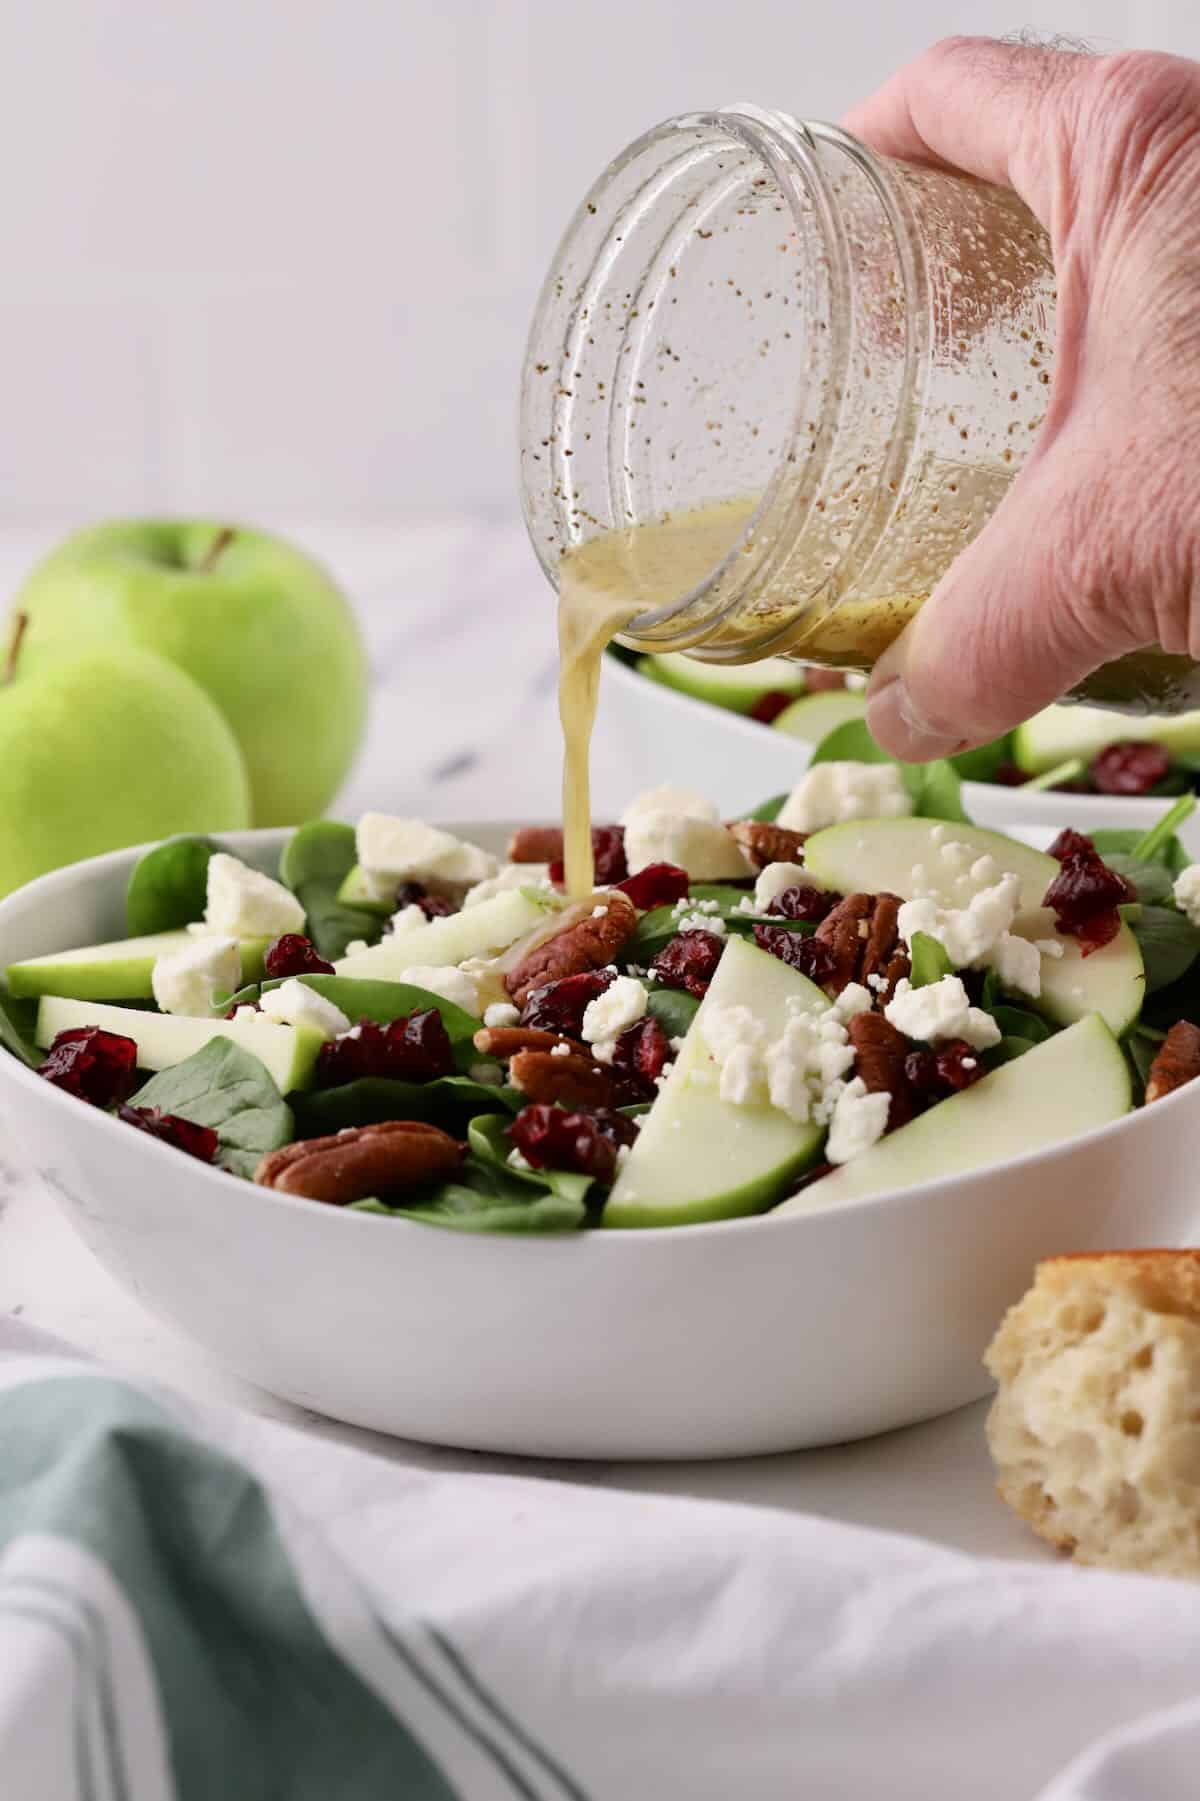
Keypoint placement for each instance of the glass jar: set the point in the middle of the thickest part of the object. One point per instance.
(775, 383)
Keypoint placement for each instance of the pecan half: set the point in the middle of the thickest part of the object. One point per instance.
(863, 936)
(364, 1160)
(536, 844)
(573, 1081)
(507, 1041)
(1177, 1062)
(879, 1055)
(763, 843)
(587, 942)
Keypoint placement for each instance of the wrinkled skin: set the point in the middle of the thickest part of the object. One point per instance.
(1094, 550)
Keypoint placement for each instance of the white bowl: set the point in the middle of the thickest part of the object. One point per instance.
(764, 1334)
(741, 763)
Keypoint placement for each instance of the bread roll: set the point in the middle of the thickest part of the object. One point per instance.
(1095, 1430)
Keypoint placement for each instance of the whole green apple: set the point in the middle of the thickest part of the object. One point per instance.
(115, 748)
(259, 625)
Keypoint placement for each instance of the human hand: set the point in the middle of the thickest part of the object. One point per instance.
(1095, 550)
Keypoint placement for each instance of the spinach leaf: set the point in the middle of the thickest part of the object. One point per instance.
(225, 1087)
(850, 742)
(1019, 1022)
(657, 928)
(981, 764)
(1152, 881)
(489, 1142)
(673, 1009)
(483, 1200)
(768, 810)
(244, 997)
(1007, 1051)
(1169, 944)
(929, 960)
(1160, 836)
(1141, 1047)
(18, 1020)
(382, 1002)
(316, 861)
(450, 1102)
(169, 886)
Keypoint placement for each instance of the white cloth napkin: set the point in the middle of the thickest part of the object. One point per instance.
(181, 1587)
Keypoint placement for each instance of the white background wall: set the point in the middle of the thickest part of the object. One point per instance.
(277, 256)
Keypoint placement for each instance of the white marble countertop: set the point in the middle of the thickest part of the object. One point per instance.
(461, 634)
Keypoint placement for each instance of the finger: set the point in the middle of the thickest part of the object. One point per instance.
(1007, 632)
(974, 104)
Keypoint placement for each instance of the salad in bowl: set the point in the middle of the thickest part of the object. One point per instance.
(848, 991)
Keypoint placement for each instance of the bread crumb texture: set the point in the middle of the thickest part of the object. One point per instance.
(1095, 1430)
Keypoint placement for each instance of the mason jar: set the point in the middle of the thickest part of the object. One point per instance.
(775, 383)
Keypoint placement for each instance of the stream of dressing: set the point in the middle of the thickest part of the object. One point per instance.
(602, 585)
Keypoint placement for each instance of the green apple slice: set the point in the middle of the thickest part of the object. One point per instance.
(355, 891)
(164, 1039)
(120, 971)
(697, 1157)
(1072, 1083)
(875, 856)
(734, 686)
(814, 716)
(479, 931)
(1060, 733)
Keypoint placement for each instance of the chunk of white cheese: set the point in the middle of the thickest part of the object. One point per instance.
(1187, 892)
(829, 793)
(775, 880)
(391, 851)
(244, 903)
(621, 1005)
(450, 983)
(294, 1003)
(513, 875)
(407, 919)
(501, 1013)
(939, 1011)
(191, 979)
(702, 847)
(686, 803)
(859, 1119)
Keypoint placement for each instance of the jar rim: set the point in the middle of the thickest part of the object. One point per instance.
(789, 151)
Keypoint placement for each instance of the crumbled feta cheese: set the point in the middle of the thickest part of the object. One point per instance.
(958, 857)
(1018, 963)
(940, 1010)
(391, 851)
(1050, 947)
(560, 1050)
(774, 880)
(878, 983)
(967, 934)
(853, 999)
(513, 875)
(621, 1005)
(983, 871)
(702, 847)
(920, 880)
(829, 793)
(244, 903)
(458, 986)
(294, 1003)
(189, 980)
(355, 946)
(859, 1119)
(1187, 892)
(676, 1044)
(685, 803)
(243, 1015)
(501, 1013)
(702, 922)
(408, 919)
(743, 1077)
(970, 1063)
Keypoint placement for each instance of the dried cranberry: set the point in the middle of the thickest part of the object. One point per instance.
(811, 956)
(415, 894)
(640, 1056)
(97, 1066)
(415, 1048)
(1084, 896)
(921, 1074)
(803, 902)
(196, 1141)
(958, 1065)
(584, 1143)
(560, 1006)
(608, 855)
(658, 885)
(1130, 768)
(294, 955)
(1008, 775)
(689, 961)
(1072, 844)
(770, 705)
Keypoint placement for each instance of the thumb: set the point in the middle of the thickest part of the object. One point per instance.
(1013, 625)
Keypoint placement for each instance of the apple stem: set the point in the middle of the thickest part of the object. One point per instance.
(20, 627)
(221, 542)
